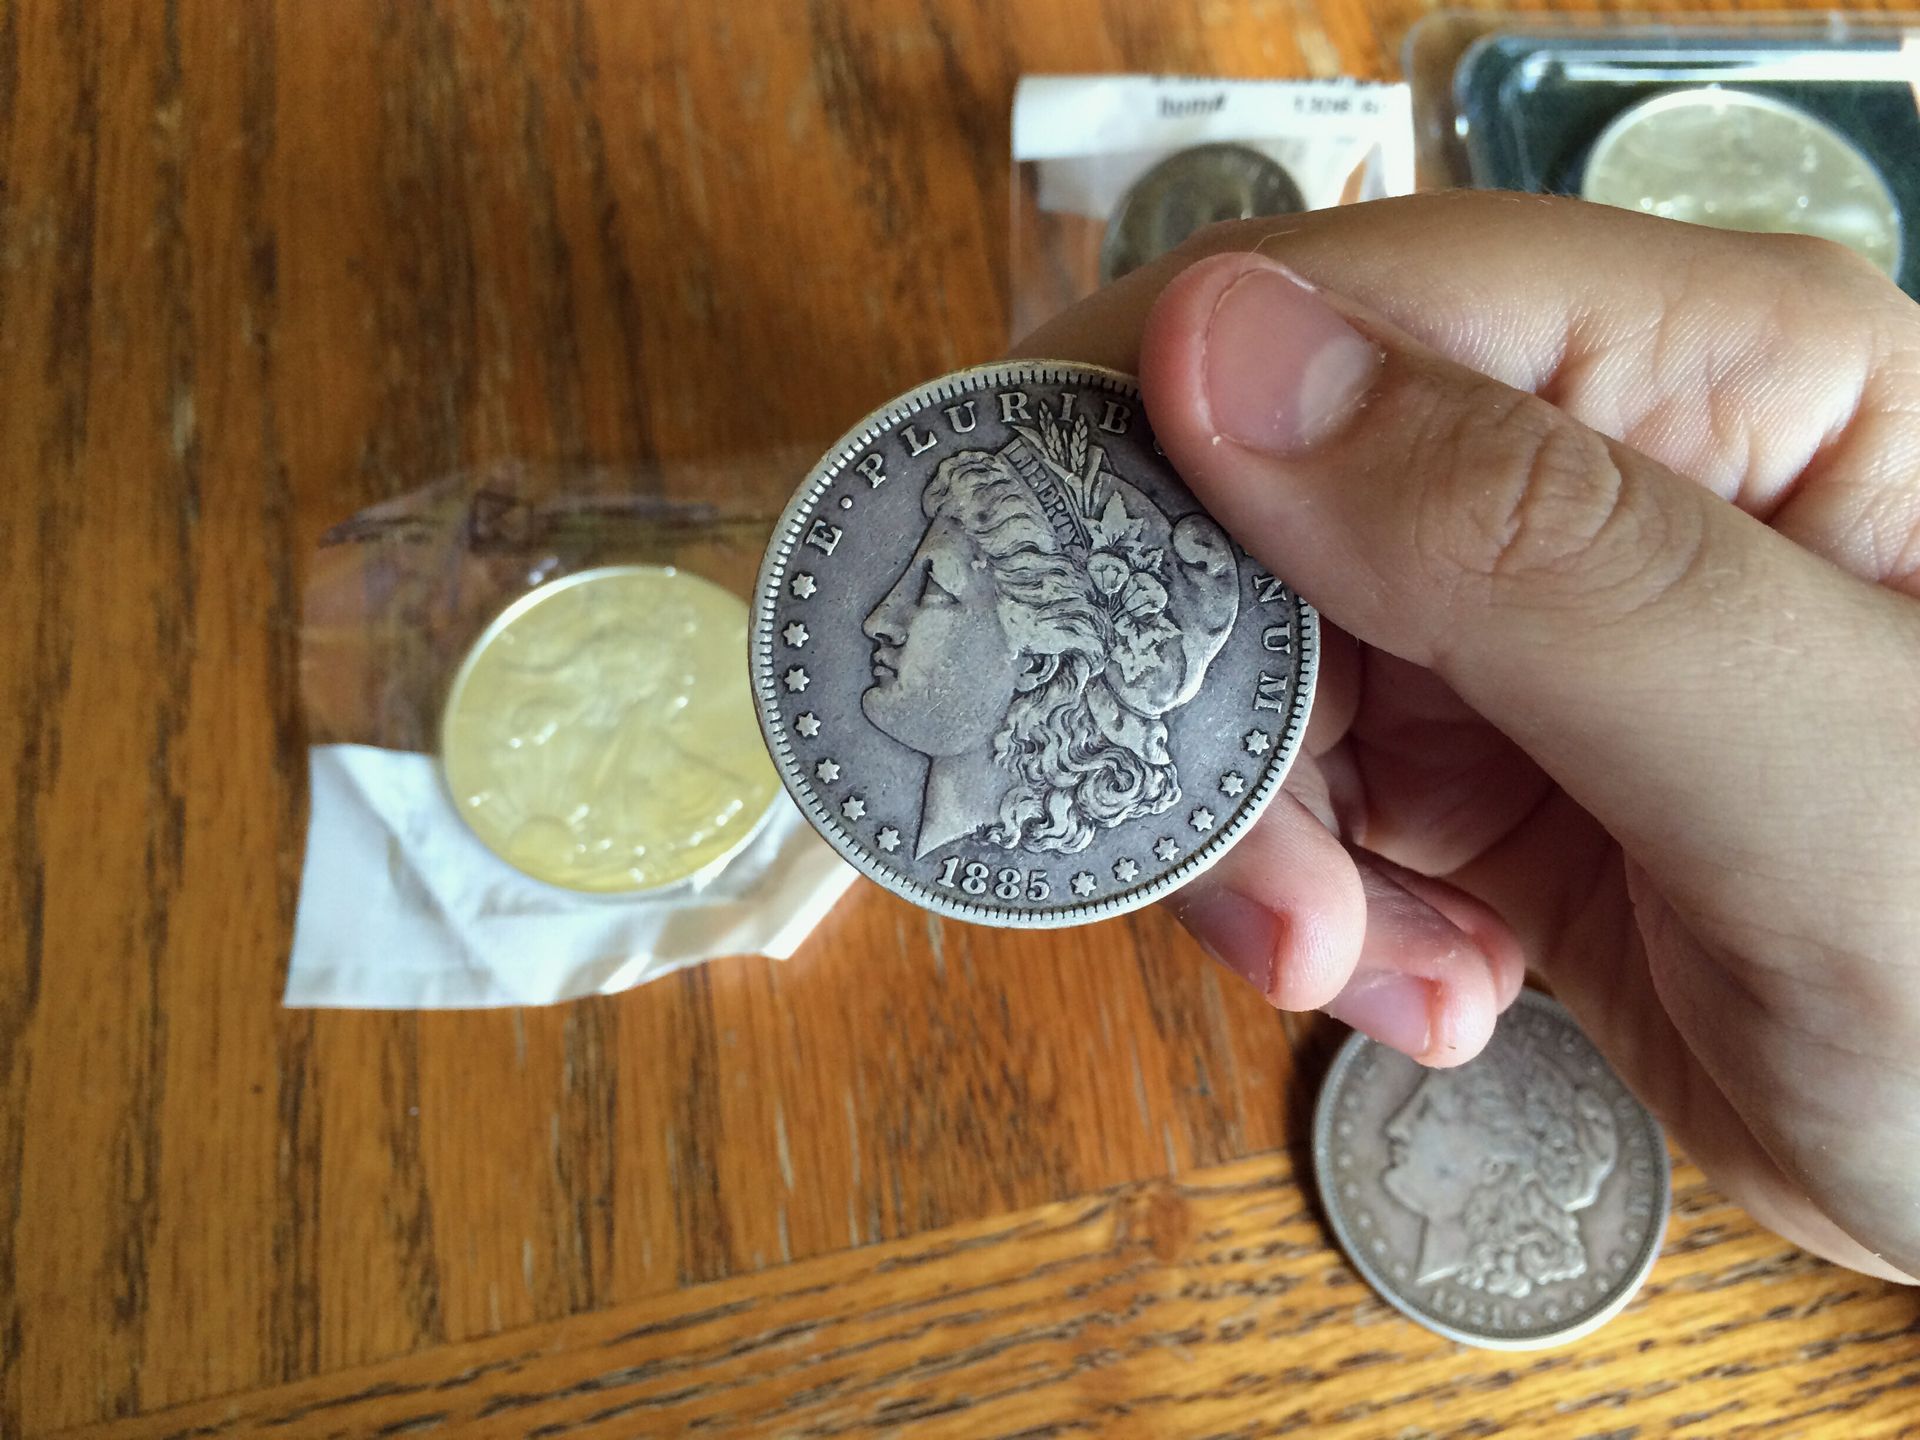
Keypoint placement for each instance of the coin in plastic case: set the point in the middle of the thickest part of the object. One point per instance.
(1738, 160)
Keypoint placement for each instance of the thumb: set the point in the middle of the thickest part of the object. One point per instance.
(1644, 640)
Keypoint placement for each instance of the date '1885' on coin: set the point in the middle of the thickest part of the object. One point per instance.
(1006, 663)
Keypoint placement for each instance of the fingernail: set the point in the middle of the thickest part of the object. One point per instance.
(1396, 1010)
(1240, 934)
(1283, 369)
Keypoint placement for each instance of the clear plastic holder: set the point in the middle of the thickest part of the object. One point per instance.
(401, 904)
(1518, 102)
(1082, 144)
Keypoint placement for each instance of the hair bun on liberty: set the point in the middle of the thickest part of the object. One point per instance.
(1171, 589)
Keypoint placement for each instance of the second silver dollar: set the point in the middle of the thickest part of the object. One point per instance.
(1513, 1202)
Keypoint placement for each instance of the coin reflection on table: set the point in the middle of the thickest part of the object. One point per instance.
(1188, 191)
(1737, 160)
(1513, 1202)
(601, 736)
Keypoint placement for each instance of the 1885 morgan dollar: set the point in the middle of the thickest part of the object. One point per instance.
(1516, 1201)
(1009, 667)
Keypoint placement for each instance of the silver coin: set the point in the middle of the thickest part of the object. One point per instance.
(1513, 1202)
(1188, 191)
(1737, 160)
(1008, 666)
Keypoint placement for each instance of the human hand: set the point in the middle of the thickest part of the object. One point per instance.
(1620, 519)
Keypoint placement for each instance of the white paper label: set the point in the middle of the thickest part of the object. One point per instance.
(1058, 117)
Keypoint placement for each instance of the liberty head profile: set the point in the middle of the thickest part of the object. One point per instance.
(1498, 1158)
(1049, 620)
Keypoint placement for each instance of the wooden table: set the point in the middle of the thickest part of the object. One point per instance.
(263, 265)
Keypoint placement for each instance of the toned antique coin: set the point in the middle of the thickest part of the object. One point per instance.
(1187, 191)
(1009, 667)
(1737, 160)
(600, 736)
(1513, 1202)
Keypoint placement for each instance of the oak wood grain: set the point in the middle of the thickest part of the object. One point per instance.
(263, 265)
(1207, 1304)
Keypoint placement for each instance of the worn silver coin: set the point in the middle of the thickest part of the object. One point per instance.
(1737, 160)
(1513, 1202)
(1188, 191)
(1008, 666)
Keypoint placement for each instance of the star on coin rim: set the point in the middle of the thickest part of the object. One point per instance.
(1541, 1336)
(770, 594)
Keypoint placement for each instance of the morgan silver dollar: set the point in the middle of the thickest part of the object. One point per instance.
(1514, 1202)
(1008, 666)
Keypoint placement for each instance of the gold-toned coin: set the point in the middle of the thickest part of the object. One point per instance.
(601, 736)
(1737, 160)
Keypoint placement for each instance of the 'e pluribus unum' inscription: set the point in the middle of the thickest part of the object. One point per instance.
(964, 418)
